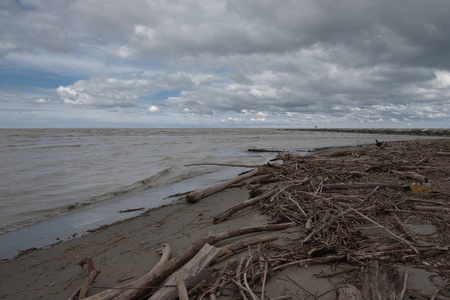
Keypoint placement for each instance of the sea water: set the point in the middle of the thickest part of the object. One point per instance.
(58, 183)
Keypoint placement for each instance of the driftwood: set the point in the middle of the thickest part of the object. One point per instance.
(131, 210)
(182, 291)
(311, 261)
(188, 273)
(411, 175)
(197, 195)
(401, 227)
(441, 153)
(239, 245)
(221, 165)
(431, 208)
(379, 283)
(187, 254)
(264, 150)
(403, 291)
(329, 187)
(112, 293)
(387, 230)
(185, 225)
(90, 279)
(229, 212)
(328, 199)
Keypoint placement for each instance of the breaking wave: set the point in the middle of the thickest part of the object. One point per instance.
(158, 179)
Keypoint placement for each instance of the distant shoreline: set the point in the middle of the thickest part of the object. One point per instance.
(412, 131)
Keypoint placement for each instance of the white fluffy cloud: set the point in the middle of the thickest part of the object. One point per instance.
(153, 108)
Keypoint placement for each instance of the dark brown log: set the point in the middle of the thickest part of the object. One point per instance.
(226, 214)
(197, 195)
(188, 273)
(221, 165)
(187, 254)
(131, 210)
(265, 150)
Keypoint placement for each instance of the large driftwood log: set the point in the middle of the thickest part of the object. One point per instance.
(226, 214)
(188, 253)
(189, 273)
(197, 195)
(112, 293)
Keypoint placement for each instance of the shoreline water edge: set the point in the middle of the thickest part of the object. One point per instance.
(364, 218)
(72, 220)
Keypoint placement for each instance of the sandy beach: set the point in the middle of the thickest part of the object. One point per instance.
(126, 251)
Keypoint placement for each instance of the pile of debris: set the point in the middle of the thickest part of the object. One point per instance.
(333, 201)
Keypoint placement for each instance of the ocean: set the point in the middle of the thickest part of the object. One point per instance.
(58, 183)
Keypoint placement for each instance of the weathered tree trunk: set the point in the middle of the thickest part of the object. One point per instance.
(197, 195)
(188, 273)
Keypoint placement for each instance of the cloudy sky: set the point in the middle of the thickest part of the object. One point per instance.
(235, 63)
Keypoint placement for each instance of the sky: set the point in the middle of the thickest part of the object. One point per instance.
(235, 63)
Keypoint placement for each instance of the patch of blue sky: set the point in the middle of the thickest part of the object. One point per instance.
(165, 95)
(32, 79)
